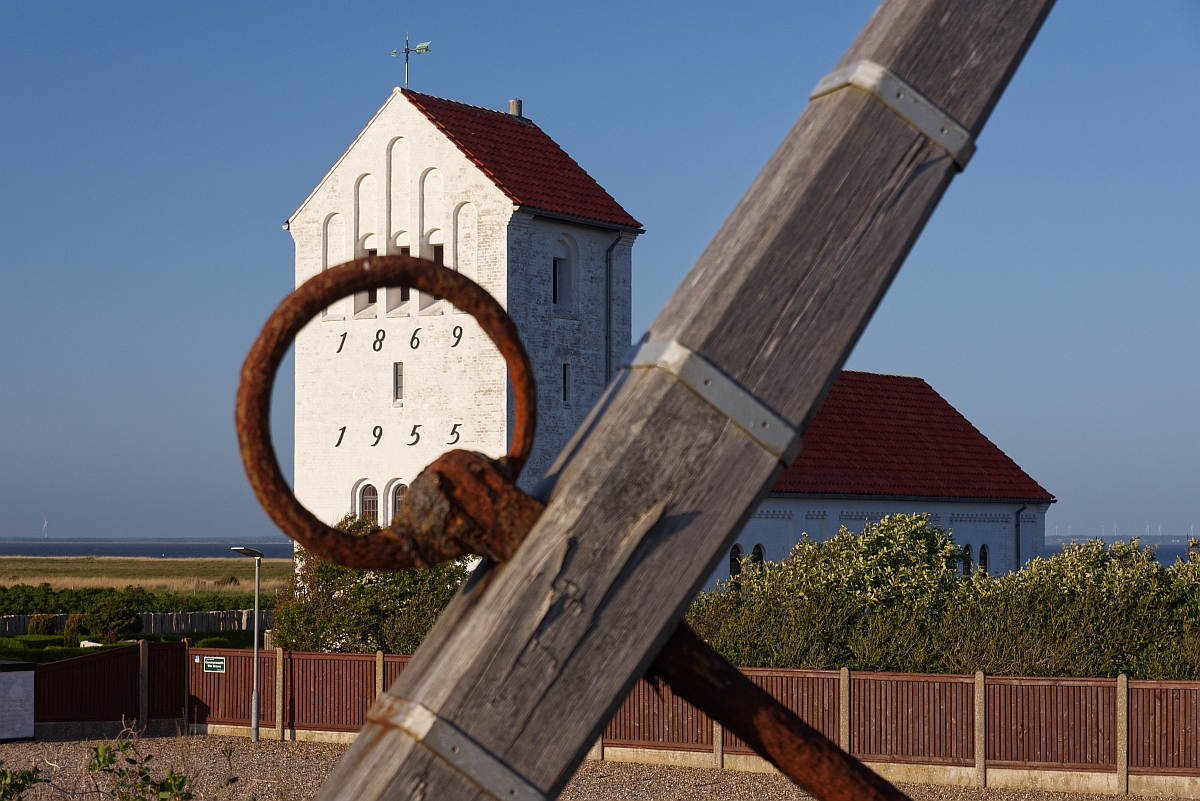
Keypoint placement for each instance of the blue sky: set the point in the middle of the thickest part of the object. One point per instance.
(150, 153)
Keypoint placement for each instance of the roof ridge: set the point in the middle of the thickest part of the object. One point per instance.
(885, 375)
(404, 91)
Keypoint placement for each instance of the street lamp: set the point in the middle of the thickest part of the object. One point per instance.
(254, 696)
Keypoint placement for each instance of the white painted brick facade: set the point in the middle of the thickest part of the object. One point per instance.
(780, 520)
(403, 183)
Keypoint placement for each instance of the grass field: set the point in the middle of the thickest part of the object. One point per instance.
(164, 575)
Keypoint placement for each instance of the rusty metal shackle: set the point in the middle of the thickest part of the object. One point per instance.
(462, 503)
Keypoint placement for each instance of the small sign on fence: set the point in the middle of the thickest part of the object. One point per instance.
(214, 664)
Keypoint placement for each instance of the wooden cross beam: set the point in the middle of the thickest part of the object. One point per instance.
(531, 659)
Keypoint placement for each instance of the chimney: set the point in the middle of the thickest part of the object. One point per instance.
(514, 107)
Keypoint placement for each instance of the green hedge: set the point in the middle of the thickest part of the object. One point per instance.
(25, 599)
(328, 607)
(894, 598)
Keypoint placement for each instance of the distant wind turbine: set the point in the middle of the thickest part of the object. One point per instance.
(45, 523)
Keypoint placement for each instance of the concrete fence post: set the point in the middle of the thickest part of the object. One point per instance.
(143, 720)
(1122, 734)
(280, 701)
(980, 729)
(718, 746)
(844, 710)
(378, 673)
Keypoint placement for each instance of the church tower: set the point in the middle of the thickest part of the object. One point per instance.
(389, 379)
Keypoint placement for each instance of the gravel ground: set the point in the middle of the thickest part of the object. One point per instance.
(275, 771)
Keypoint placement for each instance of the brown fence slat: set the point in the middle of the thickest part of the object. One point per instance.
(224, 698)
(811, 694)
(168, 676)
(328, 692)
(913, 717)
(95, 687)
(393, 666)
(1063, 724)
(1164, 727)
(654, 717)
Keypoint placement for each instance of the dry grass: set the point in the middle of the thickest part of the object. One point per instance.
(175, 575)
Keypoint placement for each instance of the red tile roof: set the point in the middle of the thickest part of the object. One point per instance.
(894, 436)
(523, 162)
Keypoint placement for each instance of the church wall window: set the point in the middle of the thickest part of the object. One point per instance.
(369, 503)
(967, 564)
(435, 251)
(397, 296)
(983, 559)
(566, 384)
(735, 566)
(397, 382)
(758, 555)
(364, 302)
(398, 493)
(563, 279)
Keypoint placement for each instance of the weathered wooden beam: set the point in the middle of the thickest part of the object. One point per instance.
(531, 659)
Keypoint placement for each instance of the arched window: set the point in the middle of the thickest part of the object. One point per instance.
(369, 504)
(757, 555)
(398, 497)
(983, 559)
(966, 557)
(735, 561)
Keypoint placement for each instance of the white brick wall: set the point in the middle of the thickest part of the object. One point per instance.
(402, 183)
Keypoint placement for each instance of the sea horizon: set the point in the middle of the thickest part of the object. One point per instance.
(157, 548)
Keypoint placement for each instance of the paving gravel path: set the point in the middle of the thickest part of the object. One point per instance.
(275, 771)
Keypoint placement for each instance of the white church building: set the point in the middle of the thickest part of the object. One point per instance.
(389, 379)
(883, 445)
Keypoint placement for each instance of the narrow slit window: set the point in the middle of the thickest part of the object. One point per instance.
(439, 255)
(983, 559)
(372, 294)
(404, 289)
(566, 385)
(555, 279)
(966, 560)
(397, 296)
(398, 381)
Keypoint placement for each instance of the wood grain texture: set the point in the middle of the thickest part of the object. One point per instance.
(532, 658)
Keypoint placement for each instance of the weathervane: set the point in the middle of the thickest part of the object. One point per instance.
(423, 47)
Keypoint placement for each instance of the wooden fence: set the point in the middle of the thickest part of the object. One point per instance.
(1083, 726)
(112, 686)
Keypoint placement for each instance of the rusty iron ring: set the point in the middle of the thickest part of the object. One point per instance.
(380, 550)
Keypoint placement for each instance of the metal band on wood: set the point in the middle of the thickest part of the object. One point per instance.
(724, 394)
(912, 106)
(465, 755)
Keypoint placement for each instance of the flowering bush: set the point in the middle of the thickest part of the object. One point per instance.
(893, 598)
(328, 607)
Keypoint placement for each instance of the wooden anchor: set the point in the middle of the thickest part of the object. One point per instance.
(533, 656)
